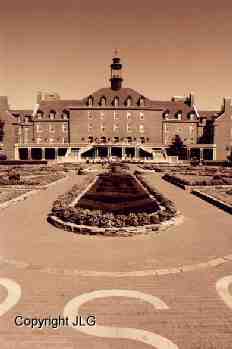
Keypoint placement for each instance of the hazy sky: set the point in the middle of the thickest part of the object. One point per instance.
(167, 48)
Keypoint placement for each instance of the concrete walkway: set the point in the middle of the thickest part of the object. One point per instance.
(26, 236)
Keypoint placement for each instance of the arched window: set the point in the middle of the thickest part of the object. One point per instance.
(141, 101)
(65, 114)
(178, 115)
(166, 114)
(39, 114)
(52, 114)
(191, 115)
(103, 101)
(90, 101)
(116, 102)
(128, 101)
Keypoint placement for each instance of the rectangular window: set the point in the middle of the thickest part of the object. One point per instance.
(26, 135)
(129, 128)
(65, 128)
(115, 127)
(38, 127)
(116, 115)
(141, 116)
(51, 128)
(141, 128)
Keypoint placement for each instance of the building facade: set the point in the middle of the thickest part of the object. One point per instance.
(113, 122)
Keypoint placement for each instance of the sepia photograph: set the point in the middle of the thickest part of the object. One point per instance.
(115, 174)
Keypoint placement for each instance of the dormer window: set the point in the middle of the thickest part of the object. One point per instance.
(192, 116)
(179, 115)
(129, 101)
(39, 114)
(103, 101)
(90, 101)
(166, 114)
(116, 102)
(141, 101)
(52, 114)
(65, 114)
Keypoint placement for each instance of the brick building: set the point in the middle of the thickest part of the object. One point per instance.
(113, 122)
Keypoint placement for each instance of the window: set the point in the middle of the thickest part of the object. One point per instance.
(116, 139)
(129, 140)
(141, 116)
(179, 115)
(65, 127)
(38, 140)
(116, 115)
(51, 140)
(90, 115)
(90, 101)
(39, 114)
(192, 116)
(128, 101)
(65, 114)
(166, 114)
(38, 128)
(129, 128)
(26, 119)
(142, 140)
(90, 126)
(102, 127)
(26, 134)
(141, 101)
(128, 115)
(52, 114)
(141, 128)
(90, 139)
(103, 101)
(115, 127)
(51, 128)
(116, 101)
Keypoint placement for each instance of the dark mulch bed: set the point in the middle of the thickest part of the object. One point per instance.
(118, 193)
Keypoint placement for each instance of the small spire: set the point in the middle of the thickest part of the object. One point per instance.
(115, 52)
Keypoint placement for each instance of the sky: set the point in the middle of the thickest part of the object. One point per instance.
(167, 48)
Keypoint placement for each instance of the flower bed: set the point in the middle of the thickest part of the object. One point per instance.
(183, 180)
(6, 195)
(163, 209)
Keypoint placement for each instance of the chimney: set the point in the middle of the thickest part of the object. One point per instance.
(4, 103)
(191, 99)
(39, 97)
(226, 107)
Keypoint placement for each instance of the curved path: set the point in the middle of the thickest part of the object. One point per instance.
(26, 237)
(181, 310)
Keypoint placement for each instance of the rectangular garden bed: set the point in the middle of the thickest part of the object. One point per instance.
(218, 196)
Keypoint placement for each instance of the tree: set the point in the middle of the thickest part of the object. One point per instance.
(177, 147)
(1, 130)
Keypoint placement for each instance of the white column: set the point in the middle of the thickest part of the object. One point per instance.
(16, 153)
(43, 153)
(201, 154)
(56, 153)
(214, 154)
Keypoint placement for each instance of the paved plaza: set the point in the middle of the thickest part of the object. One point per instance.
(168, 290)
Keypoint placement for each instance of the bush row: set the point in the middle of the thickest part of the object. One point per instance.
(215, 180)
